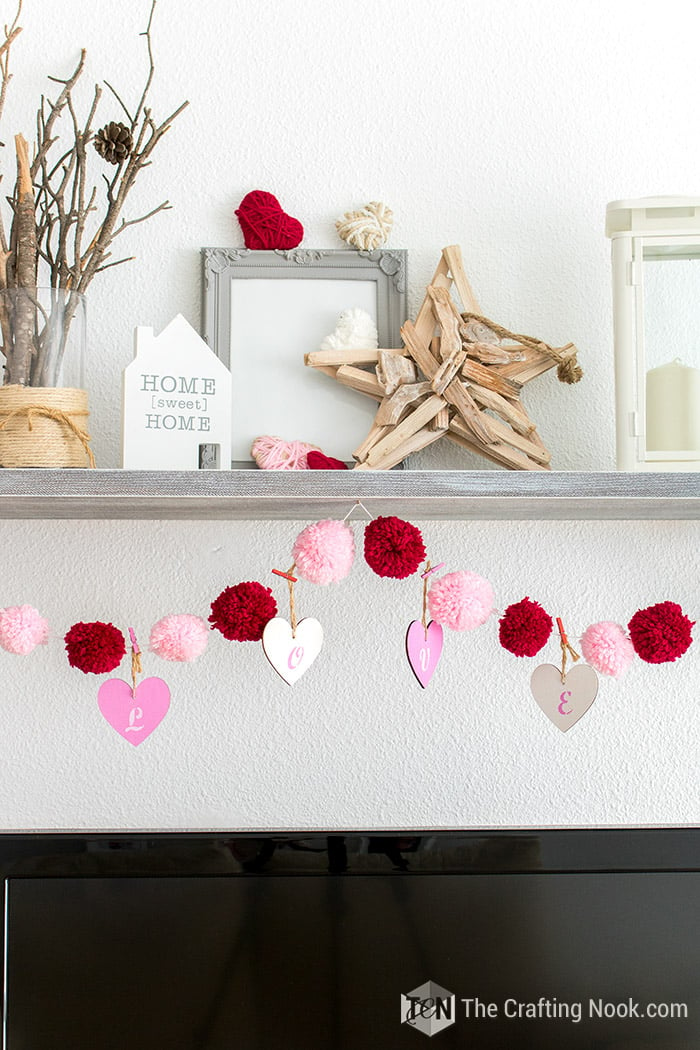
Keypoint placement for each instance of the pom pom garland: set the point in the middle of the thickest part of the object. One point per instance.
(606, 647)
(660, 633)
(242, 612)
(461, 600)
(95, 648)
(524, 628)
(324, 552)
(22, 628)
(393, 547)
(179, 637)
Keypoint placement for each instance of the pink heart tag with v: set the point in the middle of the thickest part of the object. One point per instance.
(292, 655)
(134, 715)
(424, 649)
(564, 703)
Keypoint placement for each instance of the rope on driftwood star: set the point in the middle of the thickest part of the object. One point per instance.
(568, 369)
(59, 417)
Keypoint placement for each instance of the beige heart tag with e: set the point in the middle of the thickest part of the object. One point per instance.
(564, 703)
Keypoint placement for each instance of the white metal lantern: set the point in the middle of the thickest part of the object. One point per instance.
(656, 308)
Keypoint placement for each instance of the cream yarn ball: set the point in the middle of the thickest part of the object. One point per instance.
(368, 228)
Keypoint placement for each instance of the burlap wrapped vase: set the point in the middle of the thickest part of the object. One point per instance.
(44, 427)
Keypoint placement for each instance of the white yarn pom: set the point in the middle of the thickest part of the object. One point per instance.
(368, 228)
(355, 331)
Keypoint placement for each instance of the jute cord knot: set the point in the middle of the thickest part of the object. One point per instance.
(55, 414)
(568, 369)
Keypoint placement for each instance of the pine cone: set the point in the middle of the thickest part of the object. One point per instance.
(113, 142)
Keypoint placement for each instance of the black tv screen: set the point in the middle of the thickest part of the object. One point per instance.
(296, 949)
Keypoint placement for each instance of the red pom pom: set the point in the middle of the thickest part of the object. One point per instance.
(393, 547)
(265, 225)
(317, 461)
(524, 628)
(241, 612)
(95, 648)
(661, 632)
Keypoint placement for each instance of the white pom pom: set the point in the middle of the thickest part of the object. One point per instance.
(355, 330)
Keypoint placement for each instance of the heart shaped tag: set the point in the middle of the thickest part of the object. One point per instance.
(134, 715)
(564, 703)
(424, 649)
(291, 656)
(265, 225)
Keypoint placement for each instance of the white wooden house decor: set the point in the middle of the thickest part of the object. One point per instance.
(177, 402)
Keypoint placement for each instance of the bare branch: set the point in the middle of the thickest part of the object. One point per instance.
(45, 143)
(151, 69)
(117, 262)
(121, 103)
(165, 206)
(11, 34)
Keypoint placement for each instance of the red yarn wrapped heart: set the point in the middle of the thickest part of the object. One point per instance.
(319, 461)
(265, 226)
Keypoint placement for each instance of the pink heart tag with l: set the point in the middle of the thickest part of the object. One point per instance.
(564, 703)
(134, 715)
(292, 655)
(424, 649)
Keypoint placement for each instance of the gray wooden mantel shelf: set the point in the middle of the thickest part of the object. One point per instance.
(311, 495)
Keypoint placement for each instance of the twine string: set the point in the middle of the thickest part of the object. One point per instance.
(59, 417)
(136, 665)
(568, 370)
(356, 504)
(292, 601)
(136, 669)
(424, 617)
(566, 648)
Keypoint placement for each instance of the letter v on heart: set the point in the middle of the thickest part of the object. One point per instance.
(291, 654)
(424, 649)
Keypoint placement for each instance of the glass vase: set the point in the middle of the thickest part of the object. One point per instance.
(43, 403)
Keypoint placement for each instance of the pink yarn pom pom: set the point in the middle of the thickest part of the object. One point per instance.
(22, 628)
(179, 637)
(272, 453)
(606, 647)
(461, 600)
(324, 552)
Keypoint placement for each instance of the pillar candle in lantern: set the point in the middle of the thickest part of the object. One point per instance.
(673, 408)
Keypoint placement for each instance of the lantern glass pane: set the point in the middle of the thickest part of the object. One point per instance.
(670, 363)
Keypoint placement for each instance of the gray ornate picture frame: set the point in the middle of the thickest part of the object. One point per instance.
(260, 321)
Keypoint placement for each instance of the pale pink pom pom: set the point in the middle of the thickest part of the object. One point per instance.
(324, 552)
(461, 600)
(273, 453)
(179, 637)
(606, 647)
(22, 628)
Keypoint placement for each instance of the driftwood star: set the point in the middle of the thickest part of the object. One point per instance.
(457, 376)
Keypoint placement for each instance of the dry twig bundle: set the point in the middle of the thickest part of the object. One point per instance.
(62, 226)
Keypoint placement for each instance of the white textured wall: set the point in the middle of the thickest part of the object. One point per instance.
(503, 127)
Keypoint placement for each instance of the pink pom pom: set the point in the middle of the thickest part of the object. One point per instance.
(461, 600)
(324, 552)
(606, 647)
(179, 637)
(273, 453)
(22, 628)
